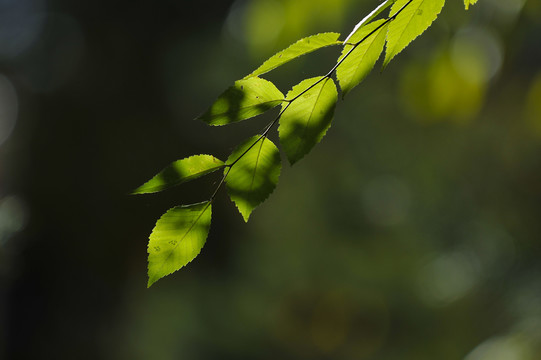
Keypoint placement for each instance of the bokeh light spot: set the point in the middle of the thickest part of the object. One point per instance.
(13, 217)
(8, 108)
(20, 25)
(508, 9)
(501, 348)
(437, 91)
(476, 54)
(53, 59)
(447, 278)
(257, 24)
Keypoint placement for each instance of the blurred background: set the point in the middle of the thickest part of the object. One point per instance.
(411, 231)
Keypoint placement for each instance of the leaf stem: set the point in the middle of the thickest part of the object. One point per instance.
(220, 184)
(289, 101)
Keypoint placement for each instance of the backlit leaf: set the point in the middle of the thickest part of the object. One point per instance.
(246, 99)
(253, 178)
(177, 238)
(301, 47)
(467, 3)
(362, 59)
(414, 19)
(306, 120)
(180, 171)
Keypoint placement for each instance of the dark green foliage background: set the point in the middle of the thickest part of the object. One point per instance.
(409, 232)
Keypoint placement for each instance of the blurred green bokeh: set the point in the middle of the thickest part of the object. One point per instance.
(411, 231)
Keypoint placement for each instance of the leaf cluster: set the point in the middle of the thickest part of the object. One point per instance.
(251, 172)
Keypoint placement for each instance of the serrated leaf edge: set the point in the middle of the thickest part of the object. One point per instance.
(291, 162)
(246, 218)
(255, 72)
(387, 61)
(209, 122)
(208, 205)
(278, 102)
(467, 3)
(375, 36)
(190, 178)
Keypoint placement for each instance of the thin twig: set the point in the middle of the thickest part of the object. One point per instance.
(289, 101)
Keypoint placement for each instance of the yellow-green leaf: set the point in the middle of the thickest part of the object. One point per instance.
(301, 47)
(180, 171)
(254, 176)
(414, 19)
(244, 100)
(362, 59)
(177, 238)
(467, 3)
(306, 120)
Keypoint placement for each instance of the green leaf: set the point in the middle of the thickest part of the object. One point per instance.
(177, 238)
(254, 176)
(180, 171)
(467, 3)
(305, 121)
(414, 19)
(246, 99)
(362, 59)
(301, 47)
(384, 5)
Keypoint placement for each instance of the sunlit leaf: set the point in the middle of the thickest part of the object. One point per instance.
(180, 171)
(246, 99)
(384, 5)
(306, 120)
(414, 19)
(253, 178)
(467, 3)
(177, 238)
(362, 59)
(301, 47)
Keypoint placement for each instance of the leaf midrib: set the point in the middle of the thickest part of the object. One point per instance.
(407, 24)
(184, 236)
(182, 180)
(256, 163)
(305, 129)
(246, 107)
(358, 67)
(264, 68)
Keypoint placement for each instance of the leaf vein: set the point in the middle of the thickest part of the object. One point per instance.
(184, 236)
(407, 24)
(305, 129)
(256, 163)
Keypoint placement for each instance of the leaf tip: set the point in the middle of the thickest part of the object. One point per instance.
(246, 217)
(244, 211)
(177, 239)
(201, 116)
(467, 3)
(209, 120)
(345, 91)
(138, 191)
(293, 160)
(152, 278)
(386, 61)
